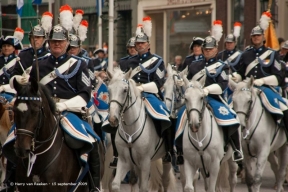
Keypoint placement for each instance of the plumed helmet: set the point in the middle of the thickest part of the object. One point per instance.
(257, 31)
(74, 40)
(230, 38)
(209, 43)
(58, 33)
(37, 31)
(141, 37)
(196, 41)
(131, 42)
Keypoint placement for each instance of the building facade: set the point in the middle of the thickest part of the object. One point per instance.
(176, 22)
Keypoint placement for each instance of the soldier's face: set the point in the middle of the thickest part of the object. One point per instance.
(132, 51)
(257, 39)
(197, 49)
(39, 40)
(58, 47)
(210, 52)
(7, 49)
(230, 46)
(142, 47)
(74, 51)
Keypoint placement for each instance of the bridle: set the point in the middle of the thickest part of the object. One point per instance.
(250, 107)
(126, 104)
(200, 112)
(35, 133)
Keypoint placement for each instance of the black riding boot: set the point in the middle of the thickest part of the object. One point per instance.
(169, 143)
(285, 121)
(98, 130)
(235, 143)
(113, 164)
(10, 177)
(180, 159)
(94, 167)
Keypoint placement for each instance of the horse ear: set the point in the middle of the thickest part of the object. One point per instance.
(184, 72)
(110, 75)
(232, 84)
(128, 74)
(186, 81)
(34, 85)
(251, 81)
(169, 70)
(202, 81)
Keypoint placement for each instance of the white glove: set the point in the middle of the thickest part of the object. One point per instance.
(259, 82)
(61, 107)
(140, 88)
(23, 80)
(235, 79)
(1, 89)
(206, 91)
(179, 82)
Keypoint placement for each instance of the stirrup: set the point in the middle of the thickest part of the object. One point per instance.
(237, 151)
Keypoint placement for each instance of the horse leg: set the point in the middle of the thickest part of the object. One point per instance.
(213, 172)
(201, 170)
(168, 178)
(274, 166)
(144, 174)
(190, 170)
(260, 165)
(232, 174)
(248, 161)
(122, 169)
(182, 176)
(283, 159)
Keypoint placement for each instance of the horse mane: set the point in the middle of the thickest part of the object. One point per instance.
(133, 85)
(47, 94)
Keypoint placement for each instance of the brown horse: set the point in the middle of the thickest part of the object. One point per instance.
(56, 167)
(6, 119)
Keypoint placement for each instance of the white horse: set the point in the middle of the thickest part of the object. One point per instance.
(174, 96)
(203, 143)
(136, 139)
(261, 136)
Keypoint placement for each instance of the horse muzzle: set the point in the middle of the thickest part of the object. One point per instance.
(194, 127)
(113, 120)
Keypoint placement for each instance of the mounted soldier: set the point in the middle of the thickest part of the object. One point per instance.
(263, 65)
(196, 54)
(131, 51)
(67, 78)
(148, 71)
(215, 74)
(8, 59)
(100, 63)
(37, 37)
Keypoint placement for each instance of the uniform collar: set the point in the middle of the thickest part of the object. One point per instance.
(145, 55)
(59, 58)
(212, 60)
(199, 56)
(41, 50)
(259, 50)
(230, 52)
(9, 58)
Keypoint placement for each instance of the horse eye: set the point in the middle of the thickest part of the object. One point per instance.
(125, 90)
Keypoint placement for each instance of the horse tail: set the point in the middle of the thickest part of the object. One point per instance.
(223, 173)
(108, 173)
(158, 177)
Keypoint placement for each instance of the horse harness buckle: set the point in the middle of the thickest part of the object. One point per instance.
(201, 152)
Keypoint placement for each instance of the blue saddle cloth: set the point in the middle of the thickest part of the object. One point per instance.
(270, 100)
(156, 109)
(72, 125)
(223, 115)
(101, 100)
(8, 96)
